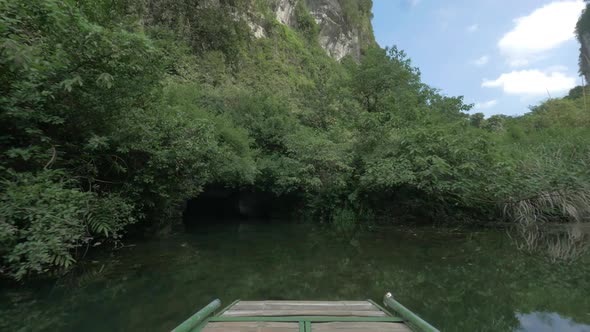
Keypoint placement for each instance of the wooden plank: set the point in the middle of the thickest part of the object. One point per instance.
(306, 318)
(359, 327)
(317, 312)
(307, 305)
(227, 308)
(380, 307)
(303, 307)
(251, 327)
(306, 302)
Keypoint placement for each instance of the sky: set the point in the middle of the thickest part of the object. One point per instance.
(501, 55)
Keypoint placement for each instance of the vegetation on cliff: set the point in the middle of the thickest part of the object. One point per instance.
(115, 113)
(583, 34)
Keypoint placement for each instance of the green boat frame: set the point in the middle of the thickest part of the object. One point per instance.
(398, 314)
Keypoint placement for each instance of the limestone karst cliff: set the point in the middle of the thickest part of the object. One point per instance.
(341, 27)
(583, 34)
(345, 26)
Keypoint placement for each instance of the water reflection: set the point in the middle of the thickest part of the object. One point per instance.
(549, 322)
(457, 280)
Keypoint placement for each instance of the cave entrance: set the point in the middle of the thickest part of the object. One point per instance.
(227, 205)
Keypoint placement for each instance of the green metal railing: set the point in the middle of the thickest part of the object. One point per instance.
(194, 320)
(407, 314)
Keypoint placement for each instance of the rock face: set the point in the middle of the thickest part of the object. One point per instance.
(583, 35)
(337, 36)
(584, 39)
(285, 12)
(343, 26)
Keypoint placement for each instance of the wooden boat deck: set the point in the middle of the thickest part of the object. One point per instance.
(304, 316)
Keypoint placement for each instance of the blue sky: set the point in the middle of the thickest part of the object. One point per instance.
(502, 55)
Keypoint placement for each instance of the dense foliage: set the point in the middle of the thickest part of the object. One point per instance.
(113, 113)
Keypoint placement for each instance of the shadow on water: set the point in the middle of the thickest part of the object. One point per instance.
(459, 281)
(219, 205)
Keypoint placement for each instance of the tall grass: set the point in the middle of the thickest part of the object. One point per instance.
(557, 205)
(549, 218)
(553, 222)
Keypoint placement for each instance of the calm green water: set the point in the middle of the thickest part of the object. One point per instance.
(457, 280)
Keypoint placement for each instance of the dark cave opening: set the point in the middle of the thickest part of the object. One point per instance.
(217, 205)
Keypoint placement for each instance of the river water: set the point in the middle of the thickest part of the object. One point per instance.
(458, 280)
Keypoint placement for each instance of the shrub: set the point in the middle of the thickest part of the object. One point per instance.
(45, 221)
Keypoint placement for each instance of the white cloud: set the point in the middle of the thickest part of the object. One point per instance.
(411, 3)
(532, 82)
(544, 29)
(481, 61)
(485, 104)
(472, 28)
(561, 68)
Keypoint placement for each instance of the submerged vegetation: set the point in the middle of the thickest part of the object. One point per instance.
(114, 113)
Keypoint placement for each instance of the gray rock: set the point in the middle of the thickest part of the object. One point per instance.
(336, 37)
